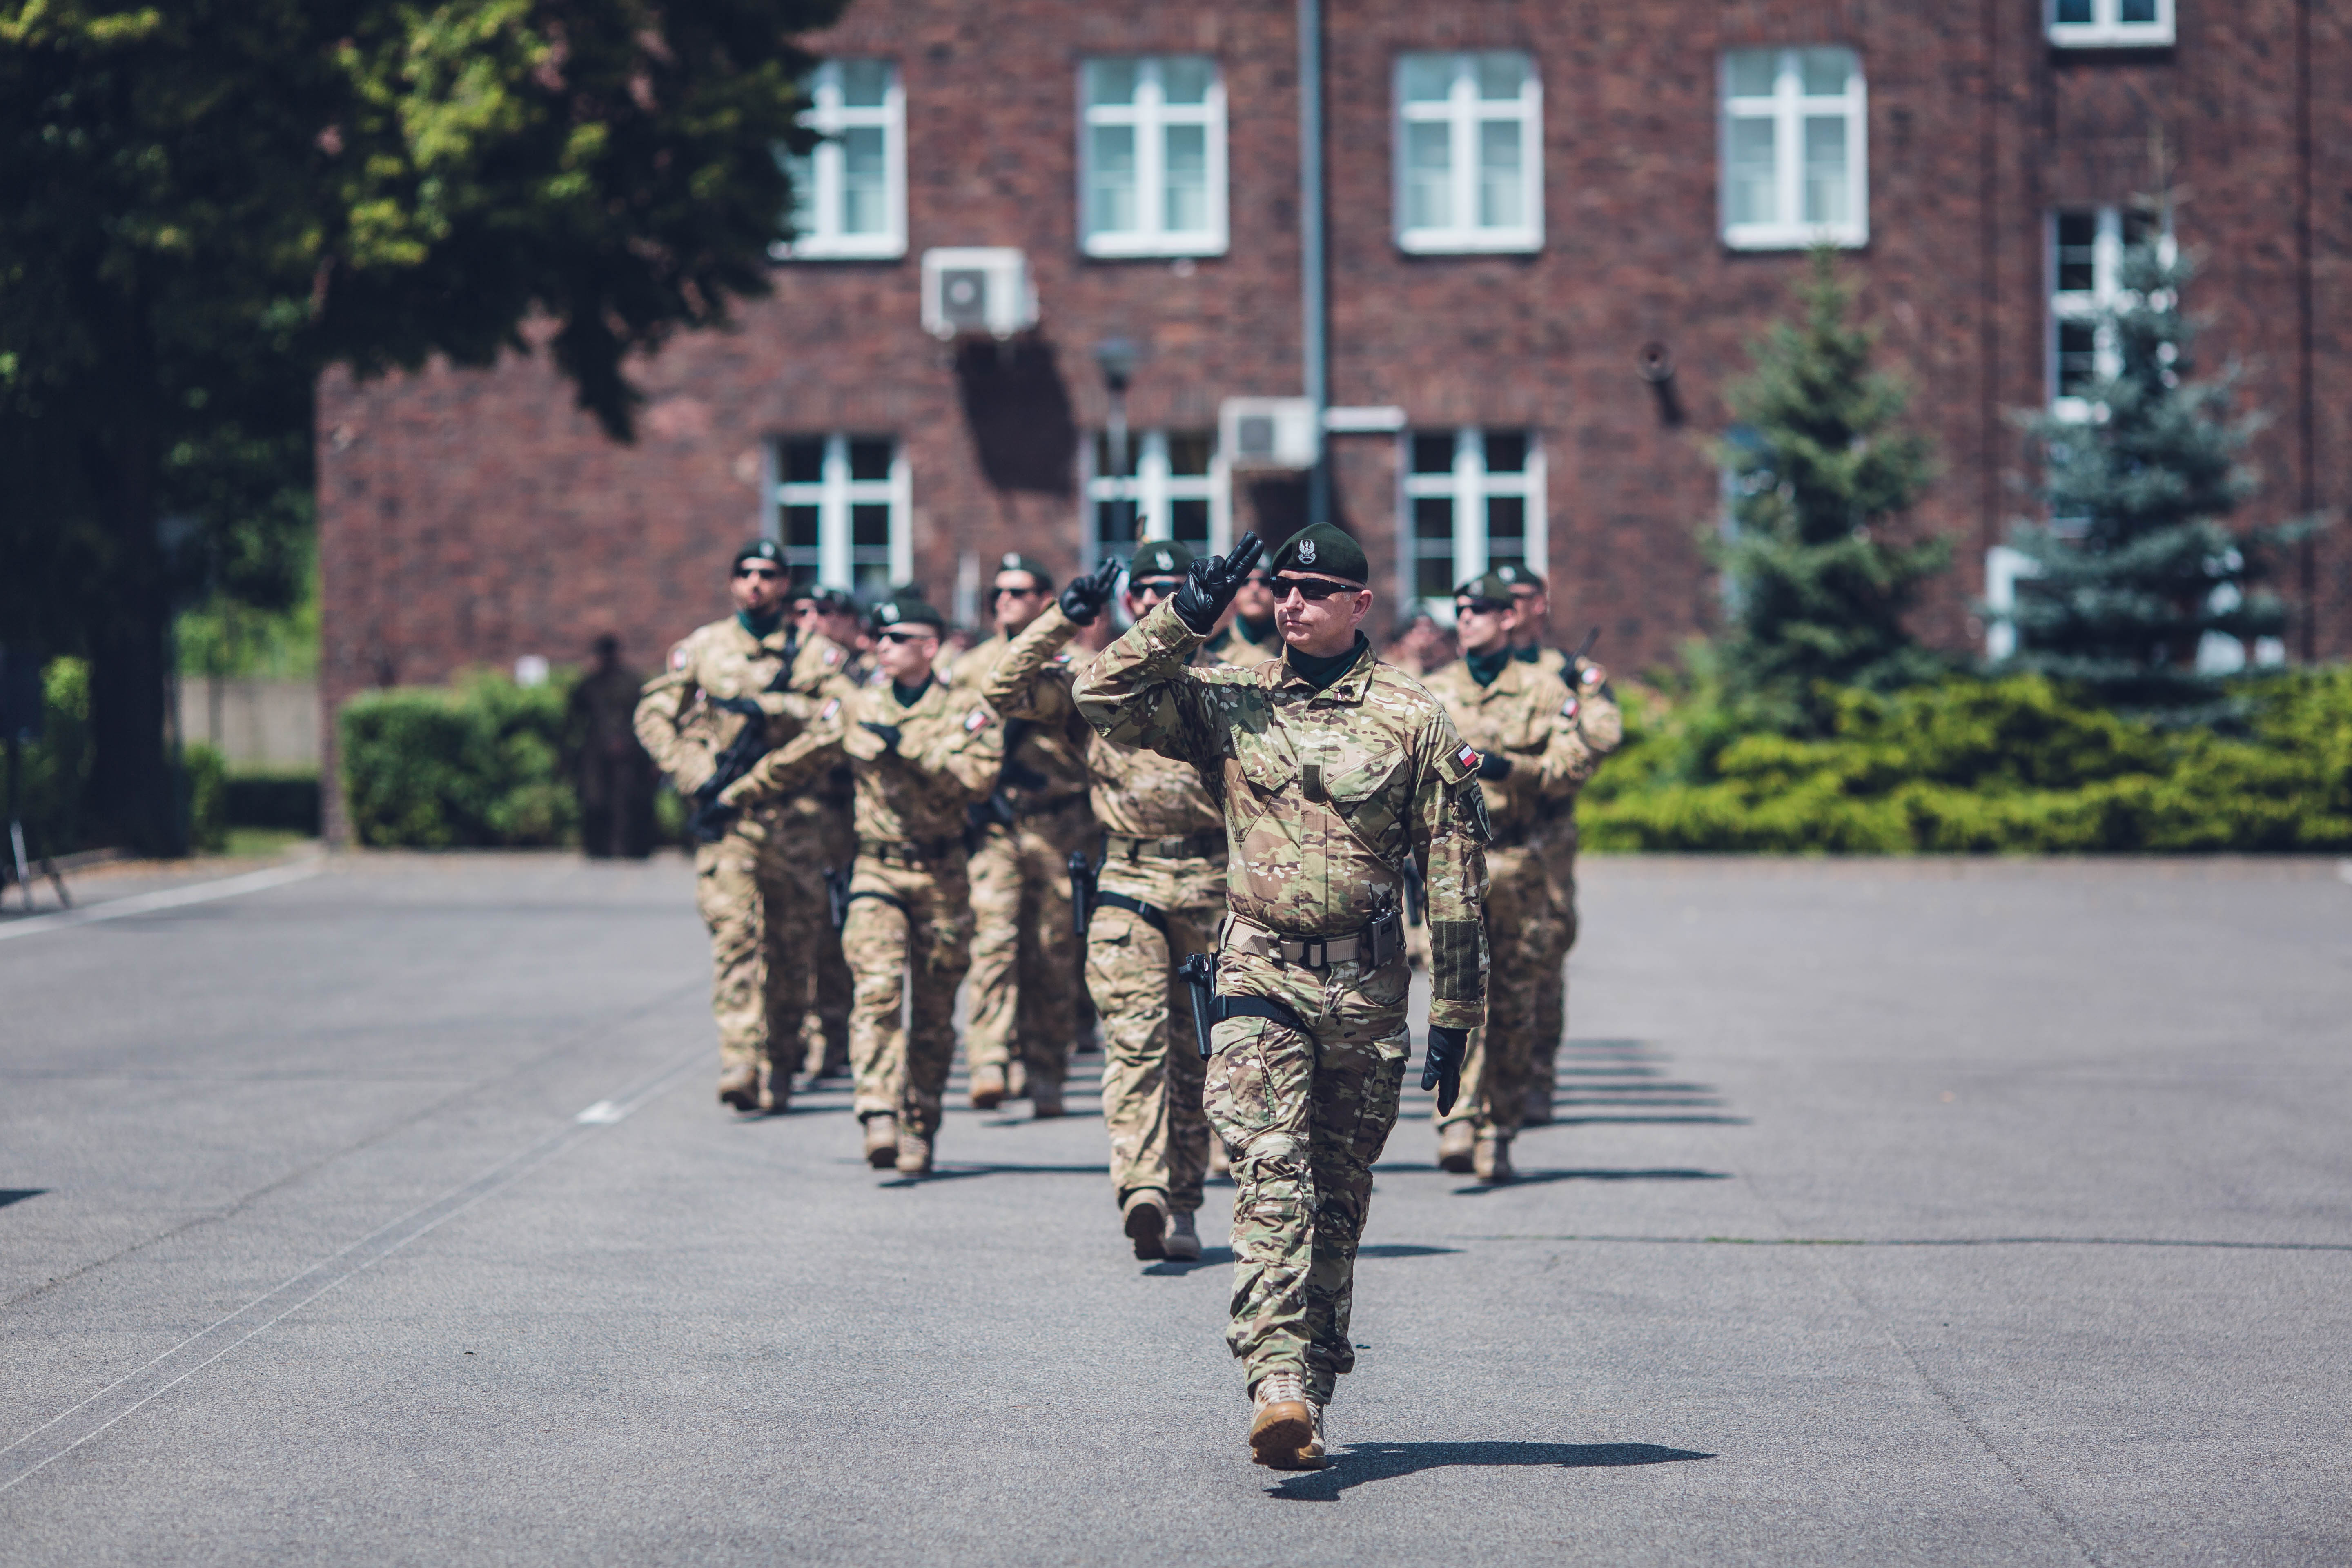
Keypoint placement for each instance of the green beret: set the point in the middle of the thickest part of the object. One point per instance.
(1494, 585)
(1517, 575)
(766, 550)
(1326, 551)
(1038, 575)
(906, 610)
(1159, 558)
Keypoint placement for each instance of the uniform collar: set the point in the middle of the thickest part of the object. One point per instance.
(1349, 688)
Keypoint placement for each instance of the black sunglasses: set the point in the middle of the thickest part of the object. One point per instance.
(1481, 606)
(769, 572)
(904, 636)
(1163, 586)
(1312, 588)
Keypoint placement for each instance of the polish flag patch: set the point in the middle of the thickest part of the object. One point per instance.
(976, 720)
(1591, 676)
(1467, 756)
(829, 710)
(1567, 709)
(832, 657)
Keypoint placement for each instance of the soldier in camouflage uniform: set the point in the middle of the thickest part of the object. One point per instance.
(1601, 725)
(1333, 772)
(1250, 638)
(831, 615)
(754, 882)
(917, 757)
(1531, 758)
(1024, 955)
(1159, 895)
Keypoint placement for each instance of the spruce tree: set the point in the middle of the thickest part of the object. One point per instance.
(1818, 591)
(2137, 564)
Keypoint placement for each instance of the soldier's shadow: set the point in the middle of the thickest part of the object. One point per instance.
(1362, 1462)
(1174, 1267)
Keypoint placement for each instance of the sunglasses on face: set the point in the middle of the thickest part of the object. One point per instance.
(765, 574)
(906, 637)
(1480, 606)
(1018, 593)
(1313, 588)
(1159, 587)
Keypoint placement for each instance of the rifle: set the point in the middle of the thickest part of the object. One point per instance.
(836, 894)
(1585, 647)
(709, 819)
(1414, 895)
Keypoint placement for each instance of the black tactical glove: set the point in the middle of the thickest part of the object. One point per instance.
(1494, 765)
(1083, 600)
(710, 823)
(1440, 1065)
(743, 705)
(889, 732)
(1210, 585)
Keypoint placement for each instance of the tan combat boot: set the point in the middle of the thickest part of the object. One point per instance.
(739, 1088)
(1491, 1160)
(775, 1088)
(1045, 1098)
(1183, 1241)
(1537, 1112)
(987, 1087)
(1147, 1223)
(1456, 1145)
(914, 1153)
(1016, 1080)
(882, 1141)
(1284, 1429)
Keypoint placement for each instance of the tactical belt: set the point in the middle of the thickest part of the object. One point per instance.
(910, 852)
(1372, 946)
(1131, 848)
(1151, 914)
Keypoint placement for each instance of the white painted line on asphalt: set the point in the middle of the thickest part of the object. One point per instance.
(169, 899)
(602, 1114)
(2344, 869)
(331, 1272)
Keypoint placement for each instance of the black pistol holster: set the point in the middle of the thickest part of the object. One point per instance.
(836, 894)
(1200, 976)
(1082, 873)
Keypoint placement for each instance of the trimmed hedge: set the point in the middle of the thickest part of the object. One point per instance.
(284, 801)
(473, 765)
(1972, 766)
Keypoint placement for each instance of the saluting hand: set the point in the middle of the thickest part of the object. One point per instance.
(1210, 585)
(1083, 600)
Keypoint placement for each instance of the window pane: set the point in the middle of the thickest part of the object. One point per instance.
(2138, 226)
(870, 578)
(1507, 526)
(804, 461)
(2074, 11)
(864, 185)
(1427, 78)
(1825, 180)
(1110, 186)
(2078, 357)
(801, 172)
(1500, 77)
(1752, 184)
(869, 459)
(1189, 521)
(1189, 453)
(1501, 196)
(1104, 467)
(800, 527)
(1507, 451)
(1433, 453)
(1428, 175)
(1749, 72)
(2138, 11)
(1110, 82)
(1824, 72)
(1184, 79)
(1433, 522)
(1433, 577)
(1186, 172)
(869, 525)
(865, 83)
(2078, 235)
(1114, 526)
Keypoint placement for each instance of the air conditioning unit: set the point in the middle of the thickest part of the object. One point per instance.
(1269, 432)
(977, 290)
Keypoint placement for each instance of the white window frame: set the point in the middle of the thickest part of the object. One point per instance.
(1155, 487)
(1469, 486)
(1152, 115)
(1464, 113)
(2075, 305)
(824, 170)
(1789, 107)
(834, 493)
(2107, 30)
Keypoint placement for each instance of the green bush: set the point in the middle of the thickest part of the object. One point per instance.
(288, 802)
(54, 769)
(205, 779)
(476, 765)
(1972, 766)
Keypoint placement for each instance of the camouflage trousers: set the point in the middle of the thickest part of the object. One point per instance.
(908, 941)
(1304, 1113)
(1152, 1070)
(1024, 956)
(1551, 994)
(752, 888)
(825, 1028)
(1521, 929)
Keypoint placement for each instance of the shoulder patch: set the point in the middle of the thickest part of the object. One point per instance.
(832, 657)
(830, 709)
(1060, 660)
(1567, 709)
(679, 656)
(1467, 756)
(1589, 675)
(976, 720)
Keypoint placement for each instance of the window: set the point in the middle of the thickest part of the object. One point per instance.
(1793, 148)
(1469, 152)
(1174, 487)
(1151, 156)
(2110, 24)
(1473, 499)
(849, 193)
(841, 503)
(2086, 249)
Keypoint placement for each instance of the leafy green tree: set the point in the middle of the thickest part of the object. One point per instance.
(1822, 469)
(204, 203)
(2137, 567)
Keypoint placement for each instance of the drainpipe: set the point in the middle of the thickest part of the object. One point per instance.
(1313, 322)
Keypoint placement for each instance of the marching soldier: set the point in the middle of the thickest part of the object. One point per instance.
(829, 617)
(756, 878)
(1333, 772)
(612, 775)
(1531, 758)
(1159, 892)
(1602, 726)
(917, 757)
(1024, 958)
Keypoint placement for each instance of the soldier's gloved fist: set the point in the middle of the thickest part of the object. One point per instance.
(1440, 1065)
(889, 732)
(710, 823)
(1210, 585)
(1083, 600)
(1494, 765)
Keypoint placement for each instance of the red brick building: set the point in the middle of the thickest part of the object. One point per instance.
(1535, 211)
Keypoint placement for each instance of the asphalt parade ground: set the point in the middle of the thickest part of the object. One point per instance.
(1984, 1213)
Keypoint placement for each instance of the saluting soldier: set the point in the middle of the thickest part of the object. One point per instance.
(1025, 960)
(1531, 758)
(757, 881)
(1602, 726)
(1159, 895)
(1333, 772)
(917, 757)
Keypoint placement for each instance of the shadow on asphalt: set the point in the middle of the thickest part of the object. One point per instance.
(963, 1173)
(1177, 1268)
(18, 1194)
(1362, 1462)
(1537, 1178)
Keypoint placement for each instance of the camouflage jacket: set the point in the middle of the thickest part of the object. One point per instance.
(1528, 716)
(684, 732)
(1135, 792)
(1232, 646)
(1326, 795)
(947, 756)
(1049, 766)
(1598, 718)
